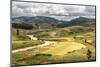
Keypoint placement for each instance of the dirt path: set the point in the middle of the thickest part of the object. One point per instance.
(32, 37)
(27, 48)
(60, 48)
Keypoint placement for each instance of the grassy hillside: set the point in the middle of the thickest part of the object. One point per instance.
(73, 44)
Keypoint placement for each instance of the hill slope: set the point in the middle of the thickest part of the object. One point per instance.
(49, 22)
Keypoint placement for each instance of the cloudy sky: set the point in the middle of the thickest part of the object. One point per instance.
(58, 11)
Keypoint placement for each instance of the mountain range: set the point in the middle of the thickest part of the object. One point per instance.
(44, 21)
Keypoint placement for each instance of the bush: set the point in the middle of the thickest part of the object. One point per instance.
(43, 55)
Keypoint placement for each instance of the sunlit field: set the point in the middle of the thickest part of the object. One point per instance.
(71, 48)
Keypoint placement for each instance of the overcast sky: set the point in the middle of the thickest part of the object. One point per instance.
(44, 9)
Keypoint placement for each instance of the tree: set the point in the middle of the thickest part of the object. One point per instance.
(89, 54)
(21, 26)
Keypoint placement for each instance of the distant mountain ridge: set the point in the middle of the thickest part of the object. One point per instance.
(37, 21)
(77, 21)
(44, 21)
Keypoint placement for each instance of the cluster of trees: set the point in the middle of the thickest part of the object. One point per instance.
(22, 26)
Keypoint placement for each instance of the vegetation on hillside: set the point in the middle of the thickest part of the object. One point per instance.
(75, 40)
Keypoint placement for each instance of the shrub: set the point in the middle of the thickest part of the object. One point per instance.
(43, 55)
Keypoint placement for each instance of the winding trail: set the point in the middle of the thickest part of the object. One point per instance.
(60, 48)
(41, 45)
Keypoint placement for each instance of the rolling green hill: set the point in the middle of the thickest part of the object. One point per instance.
(49, 22)
(77, 21)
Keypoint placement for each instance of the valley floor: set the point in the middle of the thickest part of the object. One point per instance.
(46, 50)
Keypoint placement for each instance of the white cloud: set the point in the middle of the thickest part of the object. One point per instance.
(31, 9)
